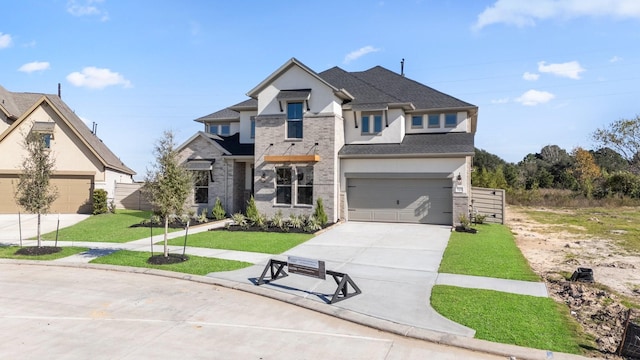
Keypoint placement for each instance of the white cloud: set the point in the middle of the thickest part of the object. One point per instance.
(96, 78)
(35, 66)
(615, 59)
(87, 8)
(535, 97)
(523, 13)
(571, 69)
(5, 40)
(530, 76)
(359, 53)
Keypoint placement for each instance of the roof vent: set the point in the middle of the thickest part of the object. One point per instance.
(402, 67)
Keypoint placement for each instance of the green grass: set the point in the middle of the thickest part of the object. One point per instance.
(253, 241)
(8, 252)
(491, 252)
(618, 224)
(196, 265)
(511, 319)
(108, 228)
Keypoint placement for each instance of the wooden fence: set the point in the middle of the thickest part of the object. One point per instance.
(489, 202)
(129, 196)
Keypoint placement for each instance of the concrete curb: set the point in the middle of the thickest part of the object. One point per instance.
(483, 346)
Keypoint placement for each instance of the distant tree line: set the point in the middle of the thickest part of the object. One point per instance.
(612, 170)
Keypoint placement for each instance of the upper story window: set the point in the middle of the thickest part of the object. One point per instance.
(253, 127)
(434, 120)
(220, 129)
(294, 120)
(450, 120)
(371, 123)
(47, 140)
(416, 121)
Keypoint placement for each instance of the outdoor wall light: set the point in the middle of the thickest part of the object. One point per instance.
(263, 178)
(459, 179)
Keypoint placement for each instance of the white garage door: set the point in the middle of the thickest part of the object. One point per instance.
(425, 201)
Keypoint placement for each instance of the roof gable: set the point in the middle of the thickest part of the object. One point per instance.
(26, 103)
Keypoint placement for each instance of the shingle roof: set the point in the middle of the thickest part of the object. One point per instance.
(229, 113)
(416, 144)
(18, 103)
(232, 144)
(378, 85)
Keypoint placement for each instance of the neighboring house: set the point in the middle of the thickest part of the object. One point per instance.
(82, 161)
(374, 145)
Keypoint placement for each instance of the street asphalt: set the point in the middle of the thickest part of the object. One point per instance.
(395, 266)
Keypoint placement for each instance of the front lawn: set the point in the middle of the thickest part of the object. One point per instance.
(195, 265)
(253, 241)
(491, 252)
(511, 319)
(9, 252)
(108, 228)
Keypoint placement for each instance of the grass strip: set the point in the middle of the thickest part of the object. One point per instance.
(253, 241)
(8, 252)
(108, 228)
(196, 265)
(491, 252)
(522, 320)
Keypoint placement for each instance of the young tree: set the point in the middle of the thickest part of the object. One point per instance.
(34, 192)
(168, 184)
(585, 169)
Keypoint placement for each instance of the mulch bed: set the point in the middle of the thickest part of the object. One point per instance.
(171, 259)
(37, 251)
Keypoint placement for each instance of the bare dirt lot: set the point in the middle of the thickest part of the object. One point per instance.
(601, 310)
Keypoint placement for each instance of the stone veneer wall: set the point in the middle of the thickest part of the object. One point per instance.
(460, 206)
(320, 129)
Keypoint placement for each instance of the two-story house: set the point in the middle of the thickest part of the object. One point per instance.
(374, 145)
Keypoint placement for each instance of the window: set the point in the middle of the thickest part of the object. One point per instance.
(47, 140)
(416, 121)
(305, 185)
(283, 185)
(294, 120)
(450, 120)
(434, 120)
(367, 125)
(294, 183)
(201, 186)
(220, 129)
(253, 127)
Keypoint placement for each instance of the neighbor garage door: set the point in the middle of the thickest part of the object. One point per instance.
(74, 194)
(426, 201)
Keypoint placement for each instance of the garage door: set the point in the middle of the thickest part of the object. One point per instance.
(426, 201)
(74, 194)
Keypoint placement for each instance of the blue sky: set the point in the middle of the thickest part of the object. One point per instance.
(544, 72)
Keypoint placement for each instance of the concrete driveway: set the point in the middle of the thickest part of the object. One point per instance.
(13, 225)
(395, 266)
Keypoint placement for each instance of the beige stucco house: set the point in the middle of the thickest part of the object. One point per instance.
(82, 161)
(374, 145)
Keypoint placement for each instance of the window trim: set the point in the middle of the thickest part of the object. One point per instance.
(197, 186)
(446, 115)
(433, 126)
(421, 125)
(368, 122)
(294, 120)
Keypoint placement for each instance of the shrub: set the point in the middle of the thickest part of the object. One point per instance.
(260, 221)
(202, 218)
(312, 224)
(464, 222)
(252, 210)
(296, 221)
(100, 202)
(319, 214)
(239, 219)
(218, 212)
(479, 218)
(277, 221)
